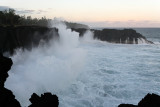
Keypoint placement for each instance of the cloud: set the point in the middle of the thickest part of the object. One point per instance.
(22, 11)
(129, 23)
(41, 11)
(2, 8)
(19, 11)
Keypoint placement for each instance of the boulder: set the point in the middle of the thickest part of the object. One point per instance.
(7, 99)
(150, 100)
(45, 100)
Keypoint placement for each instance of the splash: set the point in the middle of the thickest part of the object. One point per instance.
(48, 68)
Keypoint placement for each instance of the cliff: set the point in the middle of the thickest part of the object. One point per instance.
(125, 36)
(25, 37)
(7, 99)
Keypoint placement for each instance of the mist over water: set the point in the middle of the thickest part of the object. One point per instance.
(48, 68)
(84, 72)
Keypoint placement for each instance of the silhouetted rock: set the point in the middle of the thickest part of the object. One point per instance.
(81, 31)
(150, 100)
(5, 66)
(7, 99)
(126, 36)
(46, 100)
(75, 25)
(25, 37)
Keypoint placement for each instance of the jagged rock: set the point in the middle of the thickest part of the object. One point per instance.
(46, 100)
(7, 99)
(25, 37)
(81, 31)
(150, 100)
(5, 66)
(125, 36)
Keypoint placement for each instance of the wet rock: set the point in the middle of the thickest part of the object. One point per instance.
(150, 100)
(7, 99)
(24, 37)
(125, 36)
(45, 100)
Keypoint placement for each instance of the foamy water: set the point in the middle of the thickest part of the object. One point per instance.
(86, 72)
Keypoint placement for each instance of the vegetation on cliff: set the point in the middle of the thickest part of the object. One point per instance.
(9, 17)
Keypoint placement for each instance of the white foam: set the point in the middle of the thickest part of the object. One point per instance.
(141, 41)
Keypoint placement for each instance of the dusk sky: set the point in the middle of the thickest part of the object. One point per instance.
(96, 13)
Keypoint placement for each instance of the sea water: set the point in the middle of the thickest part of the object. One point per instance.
(89, 73)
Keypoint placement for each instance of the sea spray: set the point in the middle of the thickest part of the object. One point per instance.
(113, 73)
(48, 68)
(88, 36)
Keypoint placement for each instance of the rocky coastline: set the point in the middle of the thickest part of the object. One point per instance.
(125, 36)
(150, 100)
(7, 99)
(27, 37)
(24, 37)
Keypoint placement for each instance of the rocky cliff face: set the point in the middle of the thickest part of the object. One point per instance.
(7, 99)
(126, 36)
(27, 37)
(24, 37)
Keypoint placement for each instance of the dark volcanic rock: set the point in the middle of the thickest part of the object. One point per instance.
(81, 31)
(25, 37)
(46, 100)
(150, 100)
(126, 36)
(5, 66)
(7, 99)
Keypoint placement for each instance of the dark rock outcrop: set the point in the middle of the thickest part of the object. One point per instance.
(81, 31)
(25, 37)
(126, 36)
(75, 25)
(150, 100)
(46, 100)
(7, 99)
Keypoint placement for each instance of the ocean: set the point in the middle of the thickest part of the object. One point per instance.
(88, 73)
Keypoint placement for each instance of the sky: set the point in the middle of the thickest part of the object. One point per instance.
(95, 13)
